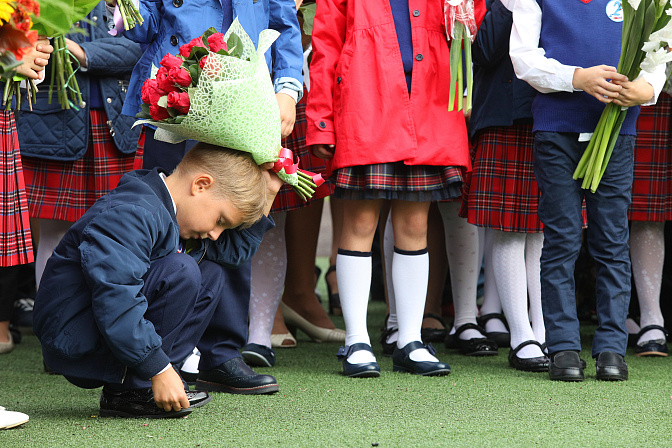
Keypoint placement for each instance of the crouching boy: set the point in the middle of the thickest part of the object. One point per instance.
(132, 286)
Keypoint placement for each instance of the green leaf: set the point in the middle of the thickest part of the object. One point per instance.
(308, 13)
(198, 52)
(209, 32)
(235, 46)
(179, 119)
(195, 73)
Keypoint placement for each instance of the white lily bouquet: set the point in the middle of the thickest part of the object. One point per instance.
(647, 35)
(217, 90)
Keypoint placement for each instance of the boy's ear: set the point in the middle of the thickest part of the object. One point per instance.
(201, 182)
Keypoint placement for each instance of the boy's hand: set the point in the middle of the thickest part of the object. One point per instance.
(634, 93)
(273, 184)
(595, 81)
(35, 60)
(168, 391)
(287, 113)
(324, 152)
(77, 51)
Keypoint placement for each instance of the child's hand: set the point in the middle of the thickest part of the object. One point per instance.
(595, 81)
(35, 60)
(273, 184)
(325, 152)
(634, 93)
(168, 391)
(77, 51)
(287, 113)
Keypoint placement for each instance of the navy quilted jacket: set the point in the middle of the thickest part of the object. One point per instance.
(49, 132)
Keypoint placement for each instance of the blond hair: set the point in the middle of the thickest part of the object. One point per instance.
(237, 177)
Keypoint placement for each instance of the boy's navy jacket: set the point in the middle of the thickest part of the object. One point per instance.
(50, 132)
(89, 310)
(499, 97)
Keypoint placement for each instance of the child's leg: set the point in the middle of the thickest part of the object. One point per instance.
(388, 252)
(353, 270)
(608, 236)
(491, 303)
(51, 233)
(533, 244)
(555, 157)
(269, 266)
(410, 272)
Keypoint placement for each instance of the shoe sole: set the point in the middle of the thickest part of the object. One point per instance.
(217, 387)
(482, 353)
(172, 414)
(254, 359)
(652, 354)
(366, 374)
(439, 372)
(611, 376)
(14, 425)
(201, 403)
(567, 376)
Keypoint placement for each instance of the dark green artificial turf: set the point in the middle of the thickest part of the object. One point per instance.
(482, 403)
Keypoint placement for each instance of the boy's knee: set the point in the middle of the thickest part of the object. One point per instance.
(180, 266)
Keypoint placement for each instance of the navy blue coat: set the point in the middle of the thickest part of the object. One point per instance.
(499, 97)
(89, 310)
(52, 133)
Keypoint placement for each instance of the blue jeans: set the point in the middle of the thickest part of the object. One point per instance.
(556, 156)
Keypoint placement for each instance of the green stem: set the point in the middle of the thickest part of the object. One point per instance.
(470, 74)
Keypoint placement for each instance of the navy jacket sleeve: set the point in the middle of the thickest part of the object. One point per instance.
(287, 51)
(113, 56)
(114, 260)
(492, 40)
(234, 247)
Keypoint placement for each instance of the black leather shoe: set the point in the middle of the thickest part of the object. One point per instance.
(402, 362)
(257, 355)
(362, 370)
(139, 403)
(654, 347)
(610, 366)
(565, 366)
(502, 338)
(388, 347)
(471, 347)
(537, 364)
(433, 334)
(236, 377)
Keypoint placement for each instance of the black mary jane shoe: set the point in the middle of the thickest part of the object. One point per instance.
(363, 370)
(388, 347)
(433, 334)
(139, 403)
(537, 364)
(502, 338)
(654, 347)
(402, 362)
(471, 347)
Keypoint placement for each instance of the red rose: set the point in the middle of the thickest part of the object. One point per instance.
(158, 113)
(179, 101)
(169, 61)
(164, 82)
(203, 61)
(150, 93)
(185, 50)
(180, 76)
(217, 42)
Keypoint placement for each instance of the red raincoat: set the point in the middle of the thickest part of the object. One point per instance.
(358, 98)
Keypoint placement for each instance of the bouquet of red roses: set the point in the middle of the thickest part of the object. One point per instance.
(217, 90)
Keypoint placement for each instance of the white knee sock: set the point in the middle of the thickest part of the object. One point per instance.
(388, 251)
(410, 275)
(353, 273)
(647, 252)
(269, 267)
(464, 264)
(491, 302)
(533, 244)
(508, 258)
(51, 233)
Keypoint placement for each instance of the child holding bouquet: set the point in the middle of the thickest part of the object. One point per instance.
(561, 57)
(378, 111)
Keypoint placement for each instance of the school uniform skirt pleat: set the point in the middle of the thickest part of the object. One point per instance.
(16, 244)
(652, 185)
(64, 190)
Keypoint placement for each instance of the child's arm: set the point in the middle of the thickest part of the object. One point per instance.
(36, 60)
(492, 40)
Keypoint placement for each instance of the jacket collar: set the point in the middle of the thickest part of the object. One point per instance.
(154, 181)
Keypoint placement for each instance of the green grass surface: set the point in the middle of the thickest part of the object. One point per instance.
(483, 403)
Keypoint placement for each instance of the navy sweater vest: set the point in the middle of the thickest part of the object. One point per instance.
(580, 34)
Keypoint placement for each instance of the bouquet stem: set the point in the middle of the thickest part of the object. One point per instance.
(129, 14)
(63, 78)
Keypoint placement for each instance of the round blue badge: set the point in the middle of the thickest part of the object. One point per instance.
(615, 10)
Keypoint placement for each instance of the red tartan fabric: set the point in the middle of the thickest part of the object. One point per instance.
(652, 185)
(16, 244)
(65, 190)
(286, 199)
(396, 176)
(503, 193)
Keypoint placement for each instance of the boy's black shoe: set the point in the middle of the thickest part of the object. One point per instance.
(139, 403)
(611, 366)
(236, 377)
(566, 366)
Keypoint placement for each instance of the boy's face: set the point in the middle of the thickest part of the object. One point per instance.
(205, 215)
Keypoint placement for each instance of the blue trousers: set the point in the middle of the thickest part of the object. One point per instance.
(556, 156)
(227, 331)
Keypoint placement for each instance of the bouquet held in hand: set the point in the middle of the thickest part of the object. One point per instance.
(217, 90)
(461, 28)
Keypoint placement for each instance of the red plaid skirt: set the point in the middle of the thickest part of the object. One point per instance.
(16, 244)
(65, 190)
(503, 193)
(652, 185)
(296, 141)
